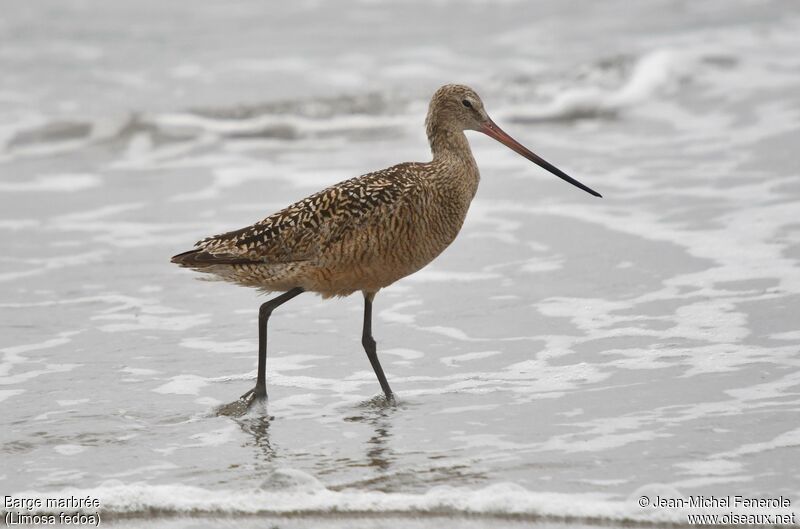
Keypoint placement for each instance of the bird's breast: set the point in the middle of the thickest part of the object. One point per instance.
(393, 242)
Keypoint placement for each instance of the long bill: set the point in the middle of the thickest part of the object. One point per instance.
(493, 131)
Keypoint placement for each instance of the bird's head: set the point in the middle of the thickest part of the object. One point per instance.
(456, 108)
(459, 107)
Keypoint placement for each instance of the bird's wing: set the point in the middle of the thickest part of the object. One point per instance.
(300, 231)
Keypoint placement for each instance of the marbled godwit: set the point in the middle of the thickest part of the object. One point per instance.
(364, 233)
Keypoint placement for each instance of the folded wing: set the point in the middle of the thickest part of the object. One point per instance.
(305, 229)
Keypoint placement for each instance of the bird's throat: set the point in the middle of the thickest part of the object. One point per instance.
(449, 144)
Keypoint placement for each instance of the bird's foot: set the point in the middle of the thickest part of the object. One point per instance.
(256, 394)
(381, 401)
(242, 405)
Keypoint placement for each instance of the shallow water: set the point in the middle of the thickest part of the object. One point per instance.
(564, 357)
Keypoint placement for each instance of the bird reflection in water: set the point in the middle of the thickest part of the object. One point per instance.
(377, 413)
(257, 427)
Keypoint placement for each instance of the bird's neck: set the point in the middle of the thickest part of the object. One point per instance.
(448, 145)
(452, 154)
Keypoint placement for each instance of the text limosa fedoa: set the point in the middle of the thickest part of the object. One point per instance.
(364, 233)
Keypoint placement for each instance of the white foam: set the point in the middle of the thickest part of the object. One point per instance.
(391, 314)
(263, 122)
(8, 393)
(537, 265)
(212, 438)
(112, 232)
(278, 64)
(53, 183)
(463, 409)
(38, 266)
(13, 356)
(774, 389)
(183, 385)
(716, 320)
(139, 371)
(147, 470)
(98, 130)
(228, 177)
(293, 362)
(141, 322)
(71, 402)
(790, 439)
(443, 276)
(467, 357)
(69, 450)
(288, 491)
(18, 224)
(653, 72)
(217, 437)
(405, 354)
(128, 313)
(98, 213)
(793, 336)
(450, 332)
(204, 344)
(44, 416)
(714, 467)
(284, 479)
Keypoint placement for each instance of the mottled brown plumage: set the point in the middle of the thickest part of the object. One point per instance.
(367, 232)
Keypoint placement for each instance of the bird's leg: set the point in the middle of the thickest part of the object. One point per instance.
(264, 312)
(370, 347)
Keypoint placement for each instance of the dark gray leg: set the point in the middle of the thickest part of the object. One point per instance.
(264, 312)
(370, 347)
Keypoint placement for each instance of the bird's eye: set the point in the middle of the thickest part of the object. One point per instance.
(466, 103)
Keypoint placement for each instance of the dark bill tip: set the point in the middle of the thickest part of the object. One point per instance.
(495, 132)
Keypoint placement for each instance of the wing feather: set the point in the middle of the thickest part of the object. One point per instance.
(304, 229)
